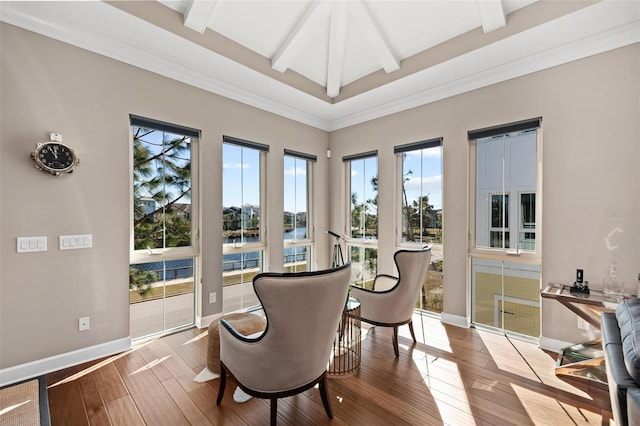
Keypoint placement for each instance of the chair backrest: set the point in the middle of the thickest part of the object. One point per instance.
(303, 311)
(412, 271)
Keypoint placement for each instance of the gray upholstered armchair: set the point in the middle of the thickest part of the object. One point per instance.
(393, 305)
(303, 311)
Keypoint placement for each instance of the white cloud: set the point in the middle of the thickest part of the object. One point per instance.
(428, 185)
(428, 153)
(235, 166)
(296, 171)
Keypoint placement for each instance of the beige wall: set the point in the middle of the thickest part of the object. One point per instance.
(591, 116)
(49, 86)
(591, 122)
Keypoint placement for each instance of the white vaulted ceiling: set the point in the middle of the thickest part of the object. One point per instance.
(331, 64)
(334, 43)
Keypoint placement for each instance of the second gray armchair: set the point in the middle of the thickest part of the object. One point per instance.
(393, 306)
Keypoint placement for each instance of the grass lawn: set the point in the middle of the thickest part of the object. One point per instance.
(158, 292)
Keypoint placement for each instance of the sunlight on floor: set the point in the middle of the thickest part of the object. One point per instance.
(98, 365)
(447, 388)
(150, 365)
(519, 359)
(546, 410)
(429, 331)
(202, 335)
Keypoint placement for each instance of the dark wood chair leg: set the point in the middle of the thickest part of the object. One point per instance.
(395, 341)
(411, 331)
(223, 383)
(325, 397)
(274, 411)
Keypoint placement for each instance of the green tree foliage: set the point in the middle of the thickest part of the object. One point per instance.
(141, 281)
(161, 197)
(161, 189)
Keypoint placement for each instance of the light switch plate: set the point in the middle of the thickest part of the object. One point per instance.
(31, 244)
(72, 242)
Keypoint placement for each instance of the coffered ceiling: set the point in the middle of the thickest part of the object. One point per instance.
(331, 64)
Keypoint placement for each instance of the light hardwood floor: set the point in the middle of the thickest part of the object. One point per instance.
(452, 376)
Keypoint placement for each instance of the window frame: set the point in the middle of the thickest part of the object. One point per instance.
(526, 256)
(361, 244)
(167, 253)
(261, 244)
(503, 219)
(398, 151)
(309, 241)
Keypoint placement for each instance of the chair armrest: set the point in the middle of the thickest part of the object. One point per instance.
(384, 282)
(249, 339)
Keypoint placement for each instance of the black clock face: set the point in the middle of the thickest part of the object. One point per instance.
(55, 157)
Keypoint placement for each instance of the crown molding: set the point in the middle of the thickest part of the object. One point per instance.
(106, 30)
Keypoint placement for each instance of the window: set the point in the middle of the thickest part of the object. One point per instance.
(499, 217)
(527, 236)
(298, 236)
(242, 220)
(164, 250)
(420, 210)
(506, 170)
(505, 250)
(362, 233)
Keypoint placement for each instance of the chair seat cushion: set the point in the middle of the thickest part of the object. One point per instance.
(245, 323)
(628, 315)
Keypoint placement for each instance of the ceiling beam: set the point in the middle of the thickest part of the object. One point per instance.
(286, 52)
(491, 14)
(198, 14)
(337, 43)
(368, 26)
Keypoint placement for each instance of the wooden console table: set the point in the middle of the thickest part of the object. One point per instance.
(584, 360)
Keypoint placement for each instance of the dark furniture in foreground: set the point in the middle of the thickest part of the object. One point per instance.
(621, 344)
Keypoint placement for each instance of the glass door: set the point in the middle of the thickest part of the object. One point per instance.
(505, 245)
(164, 248)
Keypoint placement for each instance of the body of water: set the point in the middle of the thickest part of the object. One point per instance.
(183, 268)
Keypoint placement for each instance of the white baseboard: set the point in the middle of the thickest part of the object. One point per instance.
(203, 322)
(454, 320)
(553, 345)
(58, 362)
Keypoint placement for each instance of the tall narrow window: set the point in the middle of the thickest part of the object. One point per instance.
(242, 220)
(420, 210)
(298, 236)
(362, 233)
(505, 250)
(164, 250)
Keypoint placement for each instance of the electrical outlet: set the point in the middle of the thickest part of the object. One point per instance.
(83, 323)
(212, 297)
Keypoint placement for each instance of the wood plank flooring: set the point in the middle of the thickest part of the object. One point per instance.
(452, 376)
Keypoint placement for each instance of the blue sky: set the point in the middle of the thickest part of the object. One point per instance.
(426, 178)
(241, 169)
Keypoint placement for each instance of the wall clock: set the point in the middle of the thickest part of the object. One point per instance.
(55, 158)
